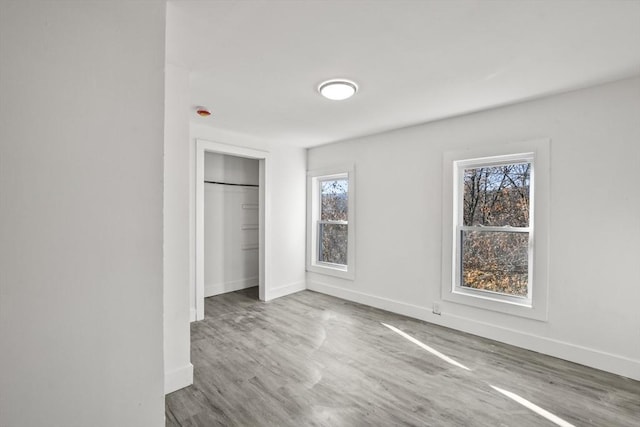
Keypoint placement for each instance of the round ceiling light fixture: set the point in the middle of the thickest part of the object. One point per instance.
(338, 89)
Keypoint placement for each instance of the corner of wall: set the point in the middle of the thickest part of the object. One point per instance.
(178, 378)
(285, 290)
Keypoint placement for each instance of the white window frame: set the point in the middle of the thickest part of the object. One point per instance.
(313, 222)
(534, 305)
(458, 187)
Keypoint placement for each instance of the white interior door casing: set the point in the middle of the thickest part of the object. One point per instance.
(202, 147)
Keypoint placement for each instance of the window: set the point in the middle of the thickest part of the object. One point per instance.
(495, 228)
(494, 244)
(333, 221)
(330, 228)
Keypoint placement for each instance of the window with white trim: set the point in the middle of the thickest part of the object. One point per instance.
(495, 225)
(330, 228)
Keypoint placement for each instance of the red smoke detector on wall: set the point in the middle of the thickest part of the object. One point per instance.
(203, 111)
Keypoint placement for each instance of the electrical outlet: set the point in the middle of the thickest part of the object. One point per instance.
(436, 309)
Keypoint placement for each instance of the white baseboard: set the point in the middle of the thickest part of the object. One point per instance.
(286, 290)
(212, 289)
(574, 353)
(178, 378)
(192, 314)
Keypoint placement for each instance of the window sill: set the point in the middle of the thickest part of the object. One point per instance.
(487, 302)
(329, 270)
(493, 296)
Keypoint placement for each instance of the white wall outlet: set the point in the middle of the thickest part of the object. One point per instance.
(436, 309)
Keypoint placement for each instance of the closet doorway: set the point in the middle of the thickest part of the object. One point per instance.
(230, 220)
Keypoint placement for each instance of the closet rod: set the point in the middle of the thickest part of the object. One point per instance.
(228, 183)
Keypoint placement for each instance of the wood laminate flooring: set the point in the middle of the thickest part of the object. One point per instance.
(309, 359)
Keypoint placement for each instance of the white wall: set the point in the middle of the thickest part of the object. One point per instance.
(231, 238)
(595, 226)
(177, 356)
(288, 182)
(81, 131)
(286, 201)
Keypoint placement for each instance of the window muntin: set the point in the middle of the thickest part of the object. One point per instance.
(494, 233)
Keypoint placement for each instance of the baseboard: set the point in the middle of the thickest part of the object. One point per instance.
(192, 314)
(178, 378)
(574, 353)
(286, 290)
(212, 289)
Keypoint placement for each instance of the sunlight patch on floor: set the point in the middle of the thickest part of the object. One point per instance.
(426, 347)
(535, 408)
(524, 402)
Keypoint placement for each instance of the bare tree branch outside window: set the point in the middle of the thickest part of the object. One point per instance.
(496, 196)
(333, 224)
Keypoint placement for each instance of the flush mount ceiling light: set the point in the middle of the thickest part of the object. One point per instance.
(338, 89)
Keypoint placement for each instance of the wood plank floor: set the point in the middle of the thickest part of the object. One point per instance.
(313, 360)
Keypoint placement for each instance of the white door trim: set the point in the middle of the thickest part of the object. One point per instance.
(203, 146)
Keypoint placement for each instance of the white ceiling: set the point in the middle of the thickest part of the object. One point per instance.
(257, 64)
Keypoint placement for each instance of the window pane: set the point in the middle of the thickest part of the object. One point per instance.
(332, 243)
(497, 195)
(334, 197)
(496, 261)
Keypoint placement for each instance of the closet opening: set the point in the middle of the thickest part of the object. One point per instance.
(230, 223)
